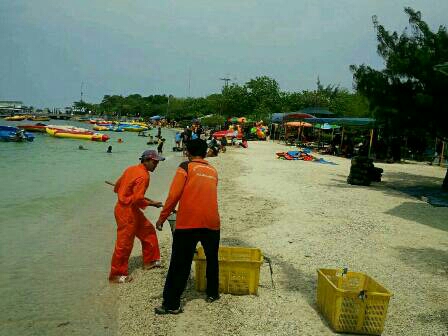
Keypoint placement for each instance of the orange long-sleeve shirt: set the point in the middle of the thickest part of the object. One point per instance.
(132, 185)
(195, 187)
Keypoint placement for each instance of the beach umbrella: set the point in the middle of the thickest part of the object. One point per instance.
(298, 124)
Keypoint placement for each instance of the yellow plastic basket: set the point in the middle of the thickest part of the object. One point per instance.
(239, 270)
(352, 302)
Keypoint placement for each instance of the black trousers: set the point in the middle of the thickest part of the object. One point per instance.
(183, 248)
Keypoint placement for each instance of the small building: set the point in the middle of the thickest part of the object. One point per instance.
(8, 107)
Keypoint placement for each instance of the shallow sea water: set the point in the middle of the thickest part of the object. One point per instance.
(57, 230)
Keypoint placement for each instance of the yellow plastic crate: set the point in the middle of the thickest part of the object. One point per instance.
(353, 302)
(239, 270)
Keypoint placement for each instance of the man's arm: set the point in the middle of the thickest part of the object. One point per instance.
(156, 204)
(176, 190)
(117, 184)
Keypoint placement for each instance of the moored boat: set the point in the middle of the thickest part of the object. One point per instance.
(34, 128)
(16, 118)
(38, 118)
(81, 136)
(51, 129)
(14, 134)
(101, 128)
(133, 127)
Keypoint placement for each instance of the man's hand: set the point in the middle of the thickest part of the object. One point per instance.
(154, 203)
(159, 225)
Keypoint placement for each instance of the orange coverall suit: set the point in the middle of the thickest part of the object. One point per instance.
(131, 221)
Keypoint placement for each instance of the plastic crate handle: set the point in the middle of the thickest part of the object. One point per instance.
(269, 262)
(362, 294)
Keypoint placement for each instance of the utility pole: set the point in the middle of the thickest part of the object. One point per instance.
(82, 84)
(167, 106)
(189, 81)
(226, 81)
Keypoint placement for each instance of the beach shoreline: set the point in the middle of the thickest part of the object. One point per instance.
(304, 216)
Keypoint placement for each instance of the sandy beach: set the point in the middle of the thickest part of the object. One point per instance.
(304, 216)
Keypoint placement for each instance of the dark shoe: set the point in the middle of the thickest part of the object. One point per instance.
(211, 299)
(163, 311)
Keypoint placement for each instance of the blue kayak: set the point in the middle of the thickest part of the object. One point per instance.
(14, 134)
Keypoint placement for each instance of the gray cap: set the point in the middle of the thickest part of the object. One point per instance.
(151, 154)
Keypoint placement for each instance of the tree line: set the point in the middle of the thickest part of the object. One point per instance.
(408, 98)
(257, 99)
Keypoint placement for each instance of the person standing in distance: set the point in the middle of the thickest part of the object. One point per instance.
(194, 187)
(131, 188)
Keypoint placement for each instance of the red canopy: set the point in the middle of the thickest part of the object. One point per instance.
(298, 116)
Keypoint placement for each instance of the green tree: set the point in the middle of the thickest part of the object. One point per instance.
(264, 94)
(409, 95)
(235, 101)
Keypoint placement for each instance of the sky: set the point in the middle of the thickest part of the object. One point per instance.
(52, 48)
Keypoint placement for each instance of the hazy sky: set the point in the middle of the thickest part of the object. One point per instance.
(49, 47)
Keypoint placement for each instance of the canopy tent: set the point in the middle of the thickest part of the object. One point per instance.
(344, 122)
(359, 122)
(280, 117)
(318, 111)
(156, 117)
(297, 116)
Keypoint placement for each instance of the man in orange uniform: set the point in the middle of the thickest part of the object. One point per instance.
(195, 188)
(131, 221)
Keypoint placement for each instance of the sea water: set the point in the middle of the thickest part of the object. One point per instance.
(57, 229)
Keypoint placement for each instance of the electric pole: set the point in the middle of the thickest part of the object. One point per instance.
(226, 81)
(189, 82)
(82, 84)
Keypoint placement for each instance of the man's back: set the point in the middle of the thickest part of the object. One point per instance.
(195, 187)
(135, 179)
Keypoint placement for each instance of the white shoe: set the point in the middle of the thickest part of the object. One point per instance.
(120, 279)
(151, 265)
